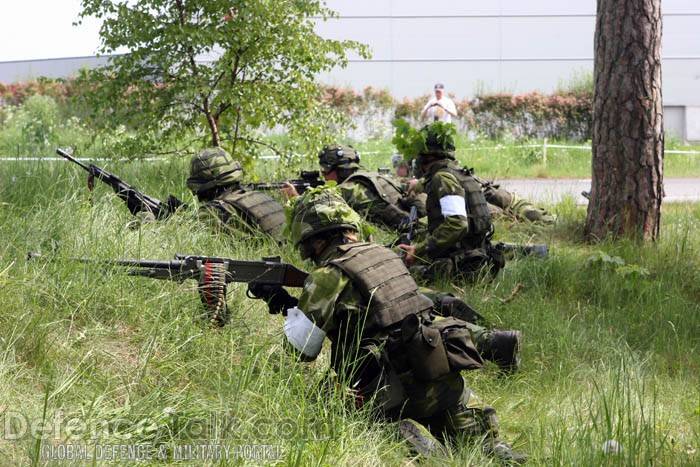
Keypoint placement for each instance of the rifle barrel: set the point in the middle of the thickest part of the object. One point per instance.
(65, 155)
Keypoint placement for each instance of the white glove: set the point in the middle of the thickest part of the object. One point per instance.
(303, 334)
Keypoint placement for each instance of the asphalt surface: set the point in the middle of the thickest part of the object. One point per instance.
(553, 190)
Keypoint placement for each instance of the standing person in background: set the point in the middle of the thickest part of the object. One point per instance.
(439, 108)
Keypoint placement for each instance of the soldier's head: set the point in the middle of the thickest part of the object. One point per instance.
(213, 170)
(401, 167)
(338, 162)
(320, 218)
(439, 143)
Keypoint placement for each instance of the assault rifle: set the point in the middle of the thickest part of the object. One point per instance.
(212, 273)
(135, 200)
(309, 179)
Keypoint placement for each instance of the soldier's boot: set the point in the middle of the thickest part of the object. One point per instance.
(420, 439)
(504, 350)
(504, 452)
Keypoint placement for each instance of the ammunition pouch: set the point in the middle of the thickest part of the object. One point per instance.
(432, 349)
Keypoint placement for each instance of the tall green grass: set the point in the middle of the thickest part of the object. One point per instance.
(611, 340)
(530, 159)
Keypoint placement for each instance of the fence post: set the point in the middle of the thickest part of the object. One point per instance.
(544, 152)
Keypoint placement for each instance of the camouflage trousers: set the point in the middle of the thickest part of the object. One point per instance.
(505, 203)
(469, 265)
(468, 418)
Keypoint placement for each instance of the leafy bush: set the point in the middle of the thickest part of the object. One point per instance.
(38, 126)
(564, 114)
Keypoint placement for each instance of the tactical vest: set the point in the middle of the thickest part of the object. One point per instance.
(256, 209)
(480, 226)
(384, 186)
(380, 276)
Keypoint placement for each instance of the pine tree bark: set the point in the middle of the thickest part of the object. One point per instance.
(628, 137)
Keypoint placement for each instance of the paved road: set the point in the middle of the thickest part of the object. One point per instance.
(553, 190)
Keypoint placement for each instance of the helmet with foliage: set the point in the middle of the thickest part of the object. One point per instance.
(339, 157)
(213, 168)
(436, 139)
(319, 210)
(439, 140)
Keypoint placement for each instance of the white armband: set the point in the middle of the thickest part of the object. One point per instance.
(453, 205)
(302, 333)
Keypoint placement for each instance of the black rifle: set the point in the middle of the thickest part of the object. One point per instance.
(309, 179)
(212, 274)
(407, 225)
(135, 200)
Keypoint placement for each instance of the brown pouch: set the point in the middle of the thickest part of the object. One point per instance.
(460, 350)
(424, 349)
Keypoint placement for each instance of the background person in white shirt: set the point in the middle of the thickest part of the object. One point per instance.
(440, 108)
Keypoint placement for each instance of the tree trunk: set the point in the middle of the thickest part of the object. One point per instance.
(628, 138)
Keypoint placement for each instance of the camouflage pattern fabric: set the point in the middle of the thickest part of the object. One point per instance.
(387, 211)
(450, 249)
(211, 168)
(365, 200)
(232, 211)
(444, 232)
(334, 304)
(514, 206)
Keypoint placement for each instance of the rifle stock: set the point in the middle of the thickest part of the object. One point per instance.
(135, 200)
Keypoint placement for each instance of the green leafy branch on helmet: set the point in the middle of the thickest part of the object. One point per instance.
(411, 142)
(444, 133)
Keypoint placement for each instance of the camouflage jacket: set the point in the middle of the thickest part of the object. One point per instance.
(242, 210)
(331, 300)
(445, 232)
(385, 209)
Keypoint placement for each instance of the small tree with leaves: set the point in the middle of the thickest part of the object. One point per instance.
(220, 70)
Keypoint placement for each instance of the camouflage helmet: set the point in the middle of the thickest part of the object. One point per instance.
(211, 168)
(339, 157)
(439, 140)
(319, 210)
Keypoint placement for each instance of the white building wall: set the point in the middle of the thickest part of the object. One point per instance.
(497, 45)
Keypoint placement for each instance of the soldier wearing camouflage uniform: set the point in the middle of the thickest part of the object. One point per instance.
(379, 198)
(507, 203)
(363, 299)
(215, 179)
(459, 220)
(501, 202)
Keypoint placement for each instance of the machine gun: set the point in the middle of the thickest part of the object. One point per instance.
(212, 273)
(135, 200)
(308, 179)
